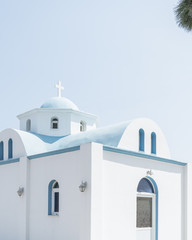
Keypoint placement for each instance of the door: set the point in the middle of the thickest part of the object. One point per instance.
(145, 216)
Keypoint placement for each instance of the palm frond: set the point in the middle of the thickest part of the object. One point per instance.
(183, 14)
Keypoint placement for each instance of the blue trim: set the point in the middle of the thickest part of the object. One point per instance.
(54, 152)
(153, 143)
(1, 150)
(9, 161)
(50, 198)
(157, 204)
(141, 140)
(145, 186)
(10, 148)
(142, 155)
(50, 187)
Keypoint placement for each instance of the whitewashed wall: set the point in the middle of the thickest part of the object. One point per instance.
(121, 175)
(18, 147)
(26, 217)
(9, 202)
(130, 138)
(105, 211)
(69, 121)
(75, 217)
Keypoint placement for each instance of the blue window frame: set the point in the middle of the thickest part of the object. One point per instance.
(141, 140)
(1, 150)
(145, 186)
(53, 198)
(153, 143)
(10, 148)
(149, 186)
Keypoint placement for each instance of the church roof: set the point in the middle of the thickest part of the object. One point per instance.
(36, 143)
(59, 103)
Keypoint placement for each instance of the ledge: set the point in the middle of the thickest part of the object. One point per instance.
(72, 149)
(142, 155)
(8, 161)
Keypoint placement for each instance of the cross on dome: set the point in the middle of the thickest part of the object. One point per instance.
(59, 88)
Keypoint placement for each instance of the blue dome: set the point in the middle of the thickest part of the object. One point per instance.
(59, 102)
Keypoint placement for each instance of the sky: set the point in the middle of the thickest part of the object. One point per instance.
(117, 59)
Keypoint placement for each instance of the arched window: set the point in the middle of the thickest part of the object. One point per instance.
(28, 125)
(82, 126)
(10, 148)
(141, 140)
(153, 143)
(147, 208)
(1, 150)
(145, 186)
(54, 123)
(53, 198)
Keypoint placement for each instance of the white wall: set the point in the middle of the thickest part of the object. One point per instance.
(9, 202)
(69, 121)
(42, 171)
(18, 147)
(75, 217)
(105, 211)
(130, 138)
(188, 201)
(121, 175)
(27, 216)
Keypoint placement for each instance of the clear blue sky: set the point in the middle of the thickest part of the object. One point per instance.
(117, 59)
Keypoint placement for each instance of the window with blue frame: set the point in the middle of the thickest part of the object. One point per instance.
(145, 186)
(141, 140)
(147, 206)
(144, 204)
(10, 148)
(1, 150)
(53, 198)
(153, 143)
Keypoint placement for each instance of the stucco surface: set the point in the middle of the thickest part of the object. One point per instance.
(59, 102)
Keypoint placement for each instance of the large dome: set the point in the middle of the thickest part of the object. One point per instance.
(59, 102)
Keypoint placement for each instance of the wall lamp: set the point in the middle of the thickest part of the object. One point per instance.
(20, 191)
(83, 186)
(149, 172)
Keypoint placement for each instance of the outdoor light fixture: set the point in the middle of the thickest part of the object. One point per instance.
(20, 191)
(149, 172)
(83, 186)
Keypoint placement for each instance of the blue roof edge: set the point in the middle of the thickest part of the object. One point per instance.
(142, 155)
(105, 148)
(13, 160)
(60, 151)
(110, 149)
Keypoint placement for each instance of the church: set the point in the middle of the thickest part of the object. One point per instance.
(61, 177)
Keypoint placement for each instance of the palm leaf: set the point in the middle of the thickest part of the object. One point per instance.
(183, 14)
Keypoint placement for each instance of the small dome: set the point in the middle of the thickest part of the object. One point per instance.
(59, 102)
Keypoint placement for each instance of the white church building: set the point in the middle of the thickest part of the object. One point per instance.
(62, 178)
